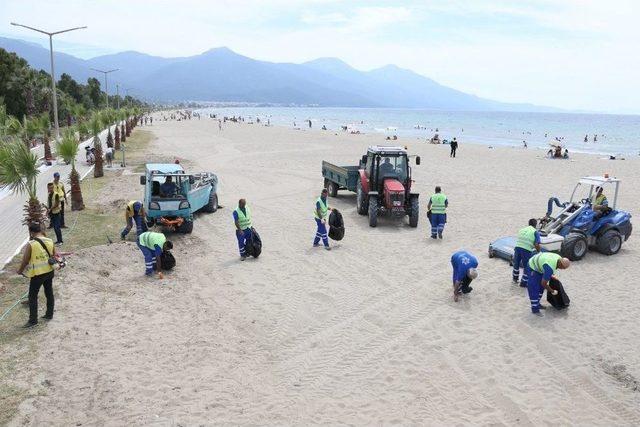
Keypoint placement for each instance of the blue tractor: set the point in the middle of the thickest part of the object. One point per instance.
(171, 196)
(580, 224)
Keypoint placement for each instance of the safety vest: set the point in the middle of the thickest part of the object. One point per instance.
(130, 209)
(601, 200)
(324, 208)
(526, 238)
(538, 261)
(56, 209)
(150, 240)
(244, 221)
(59, 189)
(39, 261)
(437, 203)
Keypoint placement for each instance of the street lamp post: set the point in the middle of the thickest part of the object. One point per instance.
(53, 76)
(117, 96)
(106, 87)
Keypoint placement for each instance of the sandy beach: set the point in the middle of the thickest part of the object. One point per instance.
(365, 334)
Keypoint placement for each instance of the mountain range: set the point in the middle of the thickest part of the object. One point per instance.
(224, 76)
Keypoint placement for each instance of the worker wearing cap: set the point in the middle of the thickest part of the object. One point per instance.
(437, 208)
(242, 220)
(134, 213)
(527, 244)
(152, 245)
(543, 266)
(321, 213)
(58, 188)
(464, 271)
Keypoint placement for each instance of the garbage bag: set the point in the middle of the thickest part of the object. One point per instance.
(561, 300)
(167, 260)
(254, 244)
(336, 225)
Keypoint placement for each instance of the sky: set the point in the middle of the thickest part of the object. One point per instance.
(573, 54)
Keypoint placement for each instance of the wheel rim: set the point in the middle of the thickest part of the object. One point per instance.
(614, 244)
(580, 248)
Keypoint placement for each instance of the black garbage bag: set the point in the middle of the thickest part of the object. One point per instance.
(254, 244)
(560, 301)
(336, 225)
(167, 260)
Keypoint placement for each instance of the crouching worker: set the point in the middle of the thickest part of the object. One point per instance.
(242, 219)
(464, 271)
(320, 214)
(134, 213)
(152, 246)
(543, 266)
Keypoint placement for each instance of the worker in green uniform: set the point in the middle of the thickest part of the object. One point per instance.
(543, 267)
(437, 207)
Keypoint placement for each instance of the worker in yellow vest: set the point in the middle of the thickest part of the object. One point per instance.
(527, 245)
(152, 246)
(437, 209)
(37, 267)
(600, 202)
(58, 188)
(242, 220)
(321, 214)
(134, 213)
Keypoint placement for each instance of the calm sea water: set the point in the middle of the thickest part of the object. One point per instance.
(616, 134)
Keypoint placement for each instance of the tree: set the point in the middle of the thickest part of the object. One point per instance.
(69, 86)
(68, 150)
(19, 171)
(94, 92)
(96, 126)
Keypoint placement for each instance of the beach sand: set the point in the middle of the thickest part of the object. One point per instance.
(365, 334)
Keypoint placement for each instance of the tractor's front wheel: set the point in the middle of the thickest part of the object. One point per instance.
(574, 247)
(610, 242)
(415, 212)
(373, 211)
(186, 227)
(362, 202)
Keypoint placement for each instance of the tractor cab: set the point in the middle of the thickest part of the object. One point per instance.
(387, 168)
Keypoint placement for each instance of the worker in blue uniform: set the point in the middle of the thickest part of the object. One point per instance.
(464, 271)
(134, 213)
(242, 220)
(437, 207)
(543, 266)
(527, 244)
(321, 214)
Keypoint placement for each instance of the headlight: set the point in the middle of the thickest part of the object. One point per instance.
(184, 205)
(154, 206)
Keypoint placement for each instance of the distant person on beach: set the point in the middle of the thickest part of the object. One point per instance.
(36, 266)
(454, 147)
(134, 213)
(153, 245)
(524, 144)
(321, 213)
(309, 123)
(595, 138)
(58, 188)
(586, 138)
(242, 220)
(219, 124)
(437, 212)
(543, 266)
(464, 272)
(527, 244)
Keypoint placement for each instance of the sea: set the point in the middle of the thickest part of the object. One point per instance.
(615, 135)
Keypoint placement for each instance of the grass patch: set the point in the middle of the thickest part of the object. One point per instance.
(87, 228)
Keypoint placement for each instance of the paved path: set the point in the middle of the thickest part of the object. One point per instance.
(13, 234)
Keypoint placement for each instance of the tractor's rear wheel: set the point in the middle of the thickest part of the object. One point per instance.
(362, 201)
(574, 247)
(415, 212)
(373, 211)
(331, 187)
(610, 242)
(186, 227)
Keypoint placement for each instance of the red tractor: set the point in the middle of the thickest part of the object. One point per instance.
(382, 183)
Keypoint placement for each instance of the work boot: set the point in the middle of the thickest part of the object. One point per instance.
(30, 325)
(542, 307)
(243, 257)
(440, 235)
(47, 316)
(537, 313)
(523, 285)
(433, 236)
(328, 248)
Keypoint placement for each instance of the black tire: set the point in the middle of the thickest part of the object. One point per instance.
(212, 206)
(362, 201)
(574, 247)
(415, 212)
(373, 211)
(331, 187)
(491, 253)
(610, 242)
(186, 227)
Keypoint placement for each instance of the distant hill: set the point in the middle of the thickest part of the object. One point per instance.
(222, 75)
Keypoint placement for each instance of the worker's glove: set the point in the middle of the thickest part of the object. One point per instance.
(160, 275)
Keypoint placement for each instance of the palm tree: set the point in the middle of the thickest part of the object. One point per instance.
(96, 126)
(45, 127)
(68, 150)
(19, 171)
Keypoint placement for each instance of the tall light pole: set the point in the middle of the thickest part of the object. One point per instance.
(53, 75)
(106, 87)
(117, 96)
